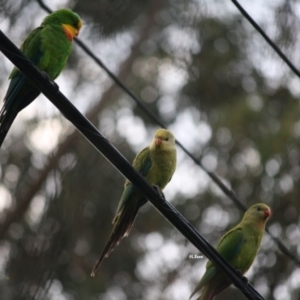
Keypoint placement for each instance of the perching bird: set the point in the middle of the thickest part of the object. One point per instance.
(239, 247)
(157, 164)
(48, 47)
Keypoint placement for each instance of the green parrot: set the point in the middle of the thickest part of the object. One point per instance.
(48, 47)
(157, 164)
(239, 247)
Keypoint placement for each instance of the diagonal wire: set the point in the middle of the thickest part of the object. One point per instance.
(269, 41)
(92, 134)
(229, 193)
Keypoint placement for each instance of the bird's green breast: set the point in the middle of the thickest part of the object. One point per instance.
(162, 168)
(55, 48)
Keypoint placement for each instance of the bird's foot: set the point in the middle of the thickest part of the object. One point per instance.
(53, 83)
(164, 203)
(159, 191)
(244, 278)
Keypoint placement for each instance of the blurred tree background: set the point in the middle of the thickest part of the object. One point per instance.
(227, 97)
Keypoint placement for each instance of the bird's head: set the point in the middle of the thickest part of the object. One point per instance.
(70, 22)
(259, 212)
(163, 139)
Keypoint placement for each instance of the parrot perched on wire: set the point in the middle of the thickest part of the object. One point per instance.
(48, 47)
(157, 164)
(239, 247)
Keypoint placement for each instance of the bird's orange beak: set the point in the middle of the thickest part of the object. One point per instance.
(158, 141)
(267, 213)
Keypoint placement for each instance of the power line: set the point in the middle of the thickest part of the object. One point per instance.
(265, 36)
(229, 193)
(92, 134)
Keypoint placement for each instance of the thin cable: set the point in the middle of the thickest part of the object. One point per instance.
(264, 35)
(92, 134)
(229, 193)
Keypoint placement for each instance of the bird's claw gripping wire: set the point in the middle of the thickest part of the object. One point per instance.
(53, 83)
(164, 202)
(159, 191)
(244, 278)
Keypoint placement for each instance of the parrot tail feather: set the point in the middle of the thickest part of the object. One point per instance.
(207, 293)
(210, 290)
(6, 119)
(123, 223)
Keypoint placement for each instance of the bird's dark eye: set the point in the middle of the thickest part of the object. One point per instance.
(167, 139)
(258, 209)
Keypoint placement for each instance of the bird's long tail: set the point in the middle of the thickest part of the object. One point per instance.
(6, 119)
(207, 293)
(122, 225)
(210, 289)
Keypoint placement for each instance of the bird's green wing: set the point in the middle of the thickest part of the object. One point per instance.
(231, 243)
(229, 246)
(142, 162)
(19, 83)
(31, 48)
